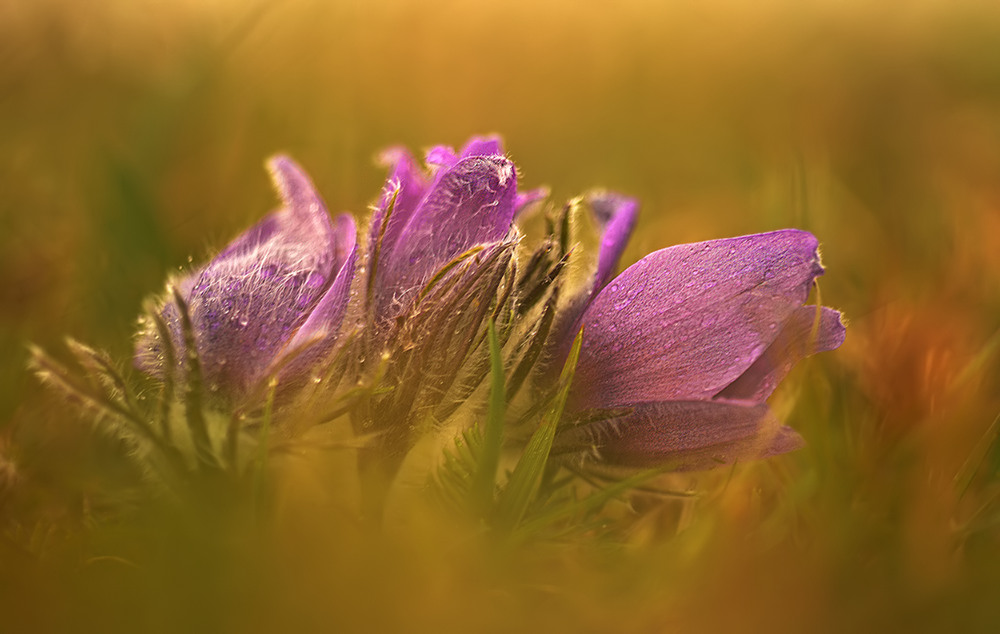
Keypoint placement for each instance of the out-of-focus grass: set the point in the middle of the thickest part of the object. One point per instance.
(132, 136)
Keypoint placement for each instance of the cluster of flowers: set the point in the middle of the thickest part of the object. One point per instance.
(444, 318)
(678, 354)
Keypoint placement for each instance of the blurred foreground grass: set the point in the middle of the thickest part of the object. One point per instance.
(132, 136)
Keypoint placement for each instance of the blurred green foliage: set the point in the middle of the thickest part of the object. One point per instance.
(132, 138)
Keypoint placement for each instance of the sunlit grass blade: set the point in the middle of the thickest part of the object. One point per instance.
(484, 480)
(587, 505)
(194, 412)
(99, 365)
(534, 351)
(520, 491)
(532, 297)
(976, 366)
(54, 373)
(377, 254)
(459, 465)
(111, 415)
(169, 367)
(986, 447)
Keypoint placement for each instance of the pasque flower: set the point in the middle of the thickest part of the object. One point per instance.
(685, 346)
(422, 222)
(679, 352)
(439, 252)
(272, 299)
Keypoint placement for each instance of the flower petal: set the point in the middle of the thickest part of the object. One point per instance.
(615, 215)
(250, 300)
(482, 146)
(470, 203)
(440, 156)
(408, 186)
(525, 201)
(684, 435)
(686, 321)
(809, 330)
(443, 156)
(325, 319)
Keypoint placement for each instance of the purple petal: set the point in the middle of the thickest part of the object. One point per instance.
(444, 156)
(406, 182)
(809, 330)
(440, 156)
(149, 352)
(684, 435)
(615, 215)
(482, 146)
(251, 299)
(686, 321)
(470, 203)
(525, 201)
(325, 319)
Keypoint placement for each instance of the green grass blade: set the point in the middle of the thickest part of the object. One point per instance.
(194, 413)
(523, 484)
(489, 458)
(589, 504)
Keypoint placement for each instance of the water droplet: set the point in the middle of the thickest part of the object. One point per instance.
(614, 288)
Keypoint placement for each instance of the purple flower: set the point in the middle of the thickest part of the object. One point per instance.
(275, 295)
(423, 221)
(688, 343)
(440, 246)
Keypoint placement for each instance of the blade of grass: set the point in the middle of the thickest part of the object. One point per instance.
(590, 504)
(523, 484)
(484, 481)
(194, 414)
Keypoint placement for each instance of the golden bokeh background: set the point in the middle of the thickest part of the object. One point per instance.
(132, 138)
